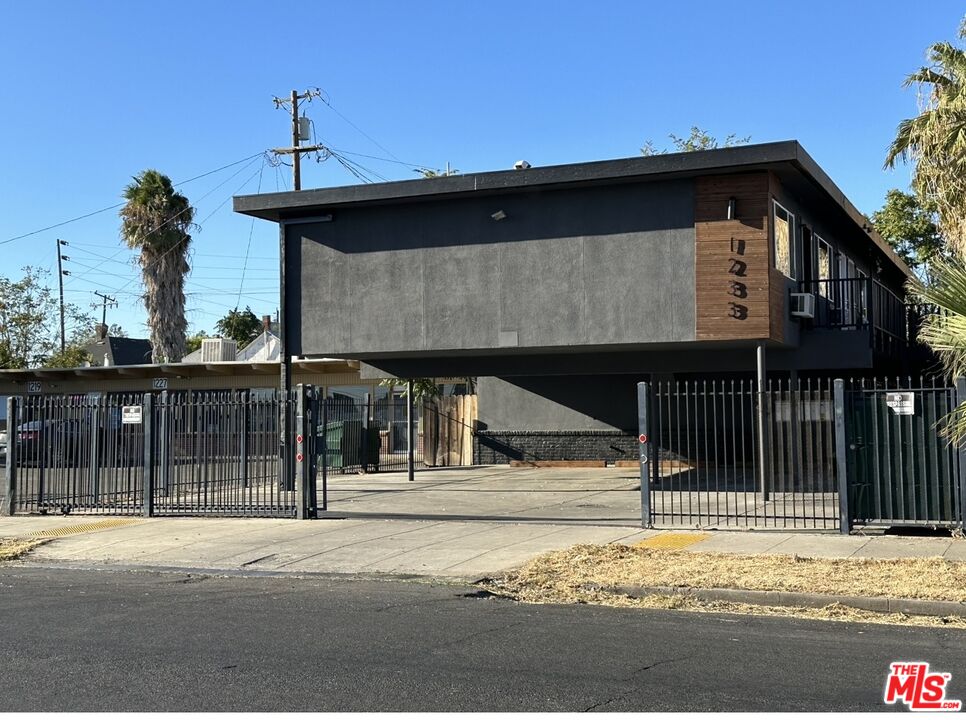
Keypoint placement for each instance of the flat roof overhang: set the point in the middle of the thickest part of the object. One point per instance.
(787, 159)
(180, 370)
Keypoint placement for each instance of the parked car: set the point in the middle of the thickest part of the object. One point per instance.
(53, 443)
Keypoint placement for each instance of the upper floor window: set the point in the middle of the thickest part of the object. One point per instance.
(824, 266)
(784, 241)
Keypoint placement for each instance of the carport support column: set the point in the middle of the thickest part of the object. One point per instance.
(410, 455)
(960, 453)
(763, 427)
(841, 467)
(12, 425)
(643, 427)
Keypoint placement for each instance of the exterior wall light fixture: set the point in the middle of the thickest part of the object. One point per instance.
(732, 208)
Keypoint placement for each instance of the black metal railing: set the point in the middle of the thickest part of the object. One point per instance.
(859, 303)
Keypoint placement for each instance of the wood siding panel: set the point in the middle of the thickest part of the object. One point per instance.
(733, 282)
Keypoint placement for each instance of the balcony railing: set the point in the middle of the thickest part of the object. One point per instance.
(860, 303)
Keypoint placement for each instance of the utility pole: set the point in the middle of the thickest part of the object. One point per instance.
(287, 478)
(60, 280)
(297, 148)
(105, 299)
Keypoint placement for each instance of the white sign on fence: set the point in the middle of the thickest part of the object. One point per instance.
(902, 403)
(131, 415)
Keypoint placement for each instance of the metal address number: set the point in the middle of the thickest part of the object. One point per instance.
(160, 383)
(34, 388)
(736, 288)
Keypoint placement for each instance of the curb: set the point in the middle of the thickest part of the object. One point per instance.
(940, 608)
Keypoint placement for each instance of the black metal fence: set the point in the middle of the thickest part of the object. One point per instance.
(218, 453)
(152, 454)
(66, 452)
(725, 454)
(815, 454)
(198, 453)
(368, 435)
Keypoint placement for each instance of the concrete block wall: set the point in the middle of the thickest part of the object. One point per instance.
(500, 447)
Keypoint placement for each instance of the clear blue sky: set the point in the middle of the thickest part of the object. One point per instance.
(94, 92)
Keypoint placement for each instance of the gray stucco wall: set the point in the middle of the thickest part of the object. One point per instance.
(589, 266)
(565, 402)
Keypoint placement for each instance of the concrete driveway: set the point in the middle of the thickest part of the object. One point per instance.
(592, 496)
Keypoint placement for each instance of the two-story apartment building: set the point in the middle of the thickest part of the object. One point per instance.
(562, 287)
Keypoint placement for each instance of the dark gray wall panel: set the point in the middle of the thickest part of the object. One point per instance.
(568, 402)
(604, 265)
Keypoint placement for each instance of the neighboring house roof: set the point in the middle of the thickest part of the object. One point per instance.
(264, 348)
(120, 351)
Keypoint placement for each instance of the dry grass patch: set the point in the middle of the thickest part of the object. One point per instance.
(13, 548)
(608, 565)
(574, 575)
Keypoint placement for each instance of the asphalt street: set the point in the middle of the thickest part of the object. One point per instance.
(99, 640)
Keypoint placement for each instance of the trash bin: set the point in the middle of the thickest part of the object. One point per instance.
(344, 441)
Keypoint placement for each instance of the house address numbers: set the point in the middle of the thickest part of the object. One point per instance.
(737, 287)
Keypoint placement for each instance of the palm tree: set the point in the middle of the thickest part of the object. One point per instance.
(944, 327)
(935, 140)
(156, 220)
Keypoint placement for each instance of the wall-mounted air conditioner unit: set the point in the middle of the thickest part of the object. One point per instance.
(803, 305)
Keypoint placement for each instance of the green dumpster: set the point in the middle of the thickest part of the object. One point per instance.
(345, 442)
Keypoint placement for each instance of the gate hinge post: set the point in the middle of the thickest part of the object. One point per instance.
(304, 447)
(841, 466)
(12, 425)
(147, 418)
(644, 445)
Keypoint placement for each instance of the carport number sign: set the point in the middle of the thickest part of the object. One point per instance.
(160, 383)
(34, 388)
(902, 403)
(131, 415)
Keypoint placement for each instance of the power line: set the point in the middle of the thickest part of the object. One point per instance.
(189, 207)
(358, 129)
(414, 166)
(248, 248)
(176, 245)
(114, 207)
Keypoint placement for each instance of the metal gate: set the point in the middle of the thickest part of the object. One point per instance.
(901, 470)
(724, 453)
(817, 454)
(191, 453)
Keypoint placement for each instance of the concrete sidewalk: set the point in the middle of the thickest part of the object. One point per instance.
(443, 549)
